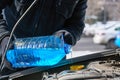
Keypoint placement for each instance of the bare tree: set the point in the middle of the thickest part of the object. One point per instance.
(112, 7)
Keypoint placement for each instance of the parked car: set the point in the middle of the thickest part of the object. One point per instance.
(107, 36)
(91, 30)
(86, 28)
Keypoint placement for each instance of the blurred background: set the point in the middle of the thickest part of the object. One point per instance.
(102, 26)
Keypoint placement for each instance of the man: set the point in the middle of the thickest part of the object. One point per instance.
(47, 17)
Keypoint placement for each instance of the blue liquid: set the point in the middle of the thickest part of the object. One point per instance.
(35, 57)
(117, 42)
(37, 51)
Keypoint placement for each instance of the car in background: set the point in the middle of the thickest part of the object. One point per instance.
(91, 29)
(87, 26)
(107, 36)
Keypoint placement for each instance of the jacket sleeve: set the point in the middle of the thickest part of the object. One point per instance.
(75, 24)
(3, 26)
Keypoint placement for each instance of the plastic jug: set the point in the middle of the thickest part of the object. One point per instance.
(37, 51)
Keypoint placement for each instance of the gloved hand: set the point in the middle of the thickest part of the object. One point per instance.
(4, 44)
(68, 37)
(6, 65)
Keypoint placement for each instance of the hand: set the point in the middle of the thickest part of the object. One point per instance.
(68, 37)
(6, 64)
(4, 44)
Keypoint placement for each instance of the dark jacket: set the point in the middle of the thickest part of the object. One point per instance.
(45, 18)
